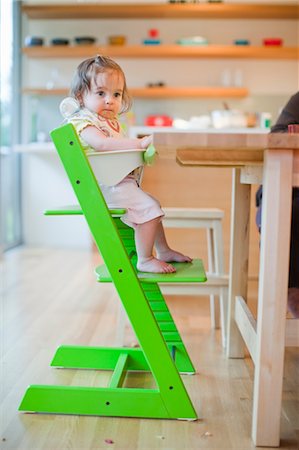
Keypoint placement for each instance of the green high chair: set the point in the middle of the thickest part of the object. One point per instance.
(162, 351)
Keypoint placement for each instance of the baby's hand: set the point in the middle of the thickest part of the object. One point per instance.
(146, 141)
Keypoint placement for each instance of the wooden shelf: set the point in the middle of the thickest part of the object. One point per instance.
(46, 92)
(161, 92)
(189, 92)
(161, 11)
(163, 51)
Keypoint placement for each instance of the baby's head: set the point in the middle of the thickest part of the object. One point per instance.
(86, 75)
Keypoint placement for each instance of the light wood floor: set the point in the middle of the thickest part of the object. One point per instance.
(51, 297)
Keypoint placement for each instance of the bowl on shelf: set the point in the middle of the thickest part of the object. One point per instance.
(117, 40)
(60, 41)
(153, 37)
(84, 40)
(241, 42)
(32, 41)
(192, 40)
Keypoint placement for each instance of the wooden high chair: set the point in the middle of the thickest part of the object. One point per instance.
(162, 351)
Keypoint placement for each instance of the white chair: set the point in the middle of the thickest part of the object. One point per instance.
(217, 284)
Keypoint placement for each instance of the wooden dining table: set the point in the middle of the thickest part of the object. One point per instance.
(272, 160)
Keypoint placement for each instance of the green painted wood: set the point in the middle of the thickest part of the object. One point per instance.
(96, 401)
(185, 273)
(124, 277)
(158, 306)
(163, 316)
(119, 372)
(167, 326)
(73, 210)
(158, 342)
(99, 358)
(182, 359)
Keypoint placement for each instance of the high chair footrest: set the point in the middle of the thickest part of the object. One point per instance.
(185, 273)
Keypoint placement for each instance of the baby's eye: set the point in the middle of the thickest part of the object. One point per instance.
(117, 94)
(101, 93)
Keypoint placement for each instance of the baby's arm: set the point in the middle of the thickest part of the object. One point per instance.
(97, 140)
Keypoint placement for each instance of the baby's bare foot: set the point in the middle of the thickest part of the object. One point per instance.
(172, 255)
(154, 265)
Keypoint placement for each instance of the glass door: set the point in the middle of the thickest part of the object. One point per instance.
(10, 211)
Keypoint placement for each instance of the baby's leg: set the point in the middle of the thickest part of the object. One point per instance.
(164, 252)
(145, 235)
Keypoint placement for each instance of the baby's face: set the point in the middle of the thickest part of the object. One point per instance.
(105, 95)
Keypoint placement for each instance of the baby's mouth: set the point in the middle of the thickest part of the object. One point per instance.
(107, 113)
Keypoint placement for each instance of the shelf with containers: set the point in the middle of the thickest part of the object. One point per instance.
(164, 11)
(181, 89)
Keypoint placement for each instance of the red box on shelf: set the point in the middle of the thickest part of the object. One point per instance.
(276, 42)
(158, 121)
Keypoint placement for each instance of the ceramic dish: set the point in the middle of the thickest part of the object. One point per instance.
(241, 42)
(84, 40)
(60, 41)
(193, 40)
(32, 41)
(117, 40)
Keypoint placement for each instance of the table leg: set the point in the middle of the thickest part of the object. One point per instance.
(239, 249)
(272, 297)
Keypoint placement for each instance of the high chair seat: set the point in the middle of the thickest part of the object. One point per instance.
(110, 167)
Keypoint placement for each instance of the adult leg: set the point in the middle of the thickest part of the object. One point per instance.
(293, 297)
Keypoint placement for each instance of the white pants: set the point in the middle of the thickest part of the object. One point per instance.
(141, 207)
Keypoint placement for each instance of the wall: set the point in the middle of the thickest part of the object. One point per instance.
(270, 84)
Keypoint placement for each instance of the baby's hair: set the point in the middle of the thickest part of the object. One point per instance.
(88, 70)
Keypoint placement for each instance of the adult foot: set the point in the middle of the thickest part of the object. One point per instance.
(293, 302)
(154, 265)
(173, 256)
